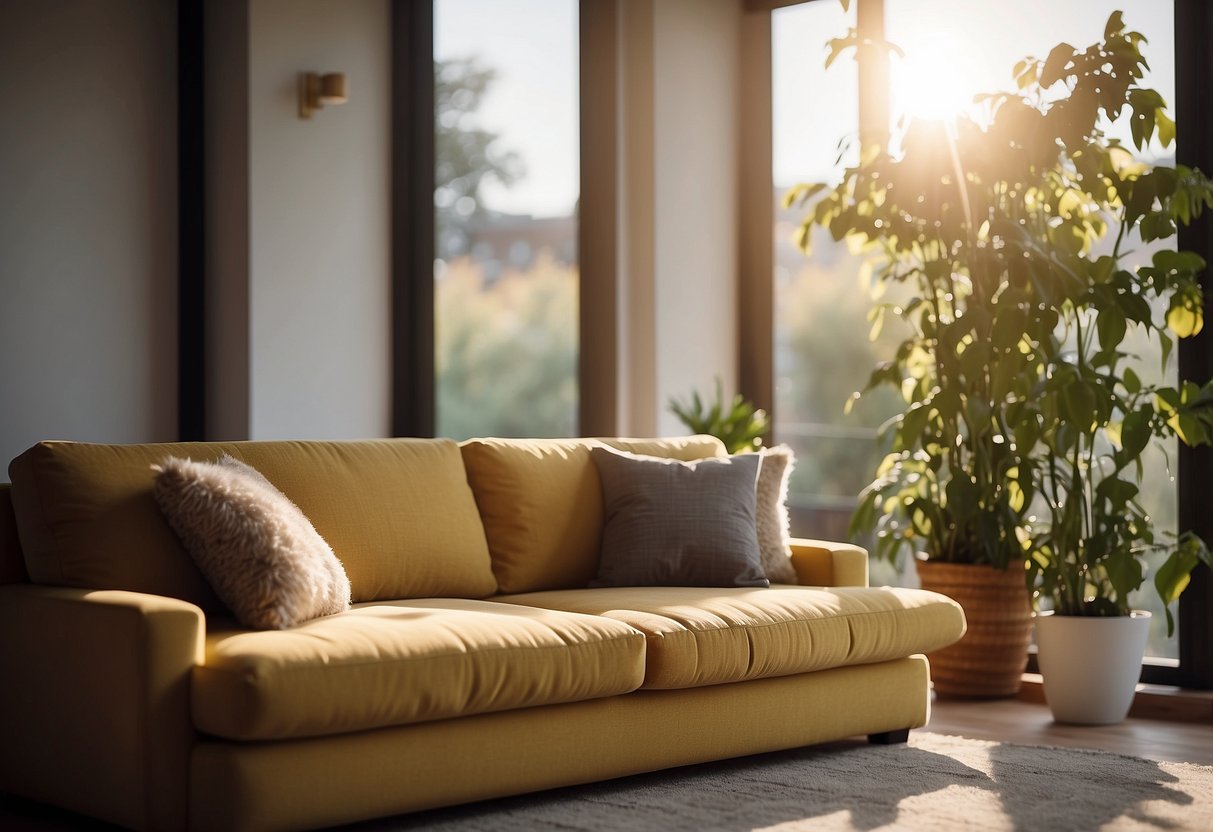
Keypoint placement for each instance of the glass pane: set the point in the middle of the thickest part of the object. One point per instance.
(507, 183)
(822, 349)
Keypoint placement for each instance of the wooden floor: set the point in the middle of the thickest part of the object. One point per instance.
(1030, 723)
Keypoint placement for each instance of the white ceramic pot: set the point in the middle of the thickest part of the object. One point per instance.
(1091, 665)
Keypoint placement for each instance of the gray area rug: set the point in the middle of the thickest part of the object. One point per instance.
(935, 783)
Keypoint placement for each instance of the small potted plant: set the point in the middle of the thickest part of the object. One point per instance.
(737, 423)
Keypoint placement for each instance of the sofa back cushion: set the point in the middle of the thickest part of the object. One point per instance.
(541, 503)
(397, 512)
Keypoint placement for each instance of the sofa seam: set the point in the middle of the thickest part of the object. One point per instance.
(754, 626)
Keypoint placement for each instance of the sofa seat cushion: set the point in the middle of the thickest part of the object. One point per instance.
(401, 662)
(705, 636)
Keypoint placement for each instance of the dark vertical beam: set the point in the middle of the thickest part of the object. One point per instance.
(597, 220)
(413, 405)
(1194, 147)
(756, 213)
(191, 223)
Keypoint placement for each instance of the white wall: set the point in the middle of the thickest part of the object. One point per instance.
(88, 222)
(319, 214)
(677, 293)
(695, 102)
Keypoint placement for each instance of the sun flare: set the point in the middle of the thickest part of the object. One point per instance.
(935, 79)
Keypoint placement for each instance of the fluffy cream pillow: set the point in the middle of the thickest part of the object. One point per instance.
(259, 552)
(771, 516)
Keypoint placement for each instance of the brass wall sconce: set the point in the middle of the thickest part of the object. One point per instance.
(316, 90)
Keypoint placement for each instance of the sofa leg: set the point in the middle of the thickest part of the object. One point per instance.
(890, 737)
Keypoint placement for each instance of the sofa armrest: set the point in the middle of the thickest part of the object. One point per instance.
(826, 563)
(94, 704)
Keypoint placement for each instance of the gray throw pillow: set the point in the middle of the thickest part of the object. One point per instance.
(672, 523)
(259, 552)
(772, 514)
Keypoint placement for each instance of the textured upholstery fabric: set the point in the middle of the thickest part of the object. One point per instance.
(827, 563)
(408, 661)
(706, 636)
(398, 512)
(415, 767)
(12, 564)
(541, 503)
(673, 523)
(771, 514)
(95, 701)
(257, 550)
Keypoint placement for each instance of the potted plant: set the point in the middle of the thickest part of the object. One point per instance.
(991, 229)
(1090, 416)
(951, 489)
(737, 423)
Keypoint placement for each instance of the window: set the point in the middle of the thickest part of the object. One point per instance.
(505, 199)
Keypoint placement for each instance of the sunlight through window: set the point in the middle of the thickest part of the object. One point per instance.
(930, 81)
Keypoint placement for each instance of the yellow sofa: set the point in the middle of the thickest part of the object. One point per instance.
(473, 665)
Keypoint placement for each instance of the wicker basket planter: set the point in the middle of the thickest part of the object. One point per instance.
(989, 661)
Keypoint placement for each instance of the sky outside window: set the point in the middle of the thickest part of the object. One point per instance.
(533, 45)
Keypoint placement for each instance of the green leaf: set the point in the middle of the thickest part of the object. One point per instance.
(1142, 192)
(1117, 492)
(1078, 403)
(1136, 308)
(1009, 326)
(1189, 429)
(1055, 64)
(1112, 326)
(1185, 317)
(1156, 226)
(1027, 433)
(802, 238)
(876, 316)
(913, 424)
(839, 45)
(1135, 434)
(1167, 400)
(1125, 573)
(1131, 382)
(1166, 128)
(1173, 576)
(962, 493)
(799, 194)
(1064, 438)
